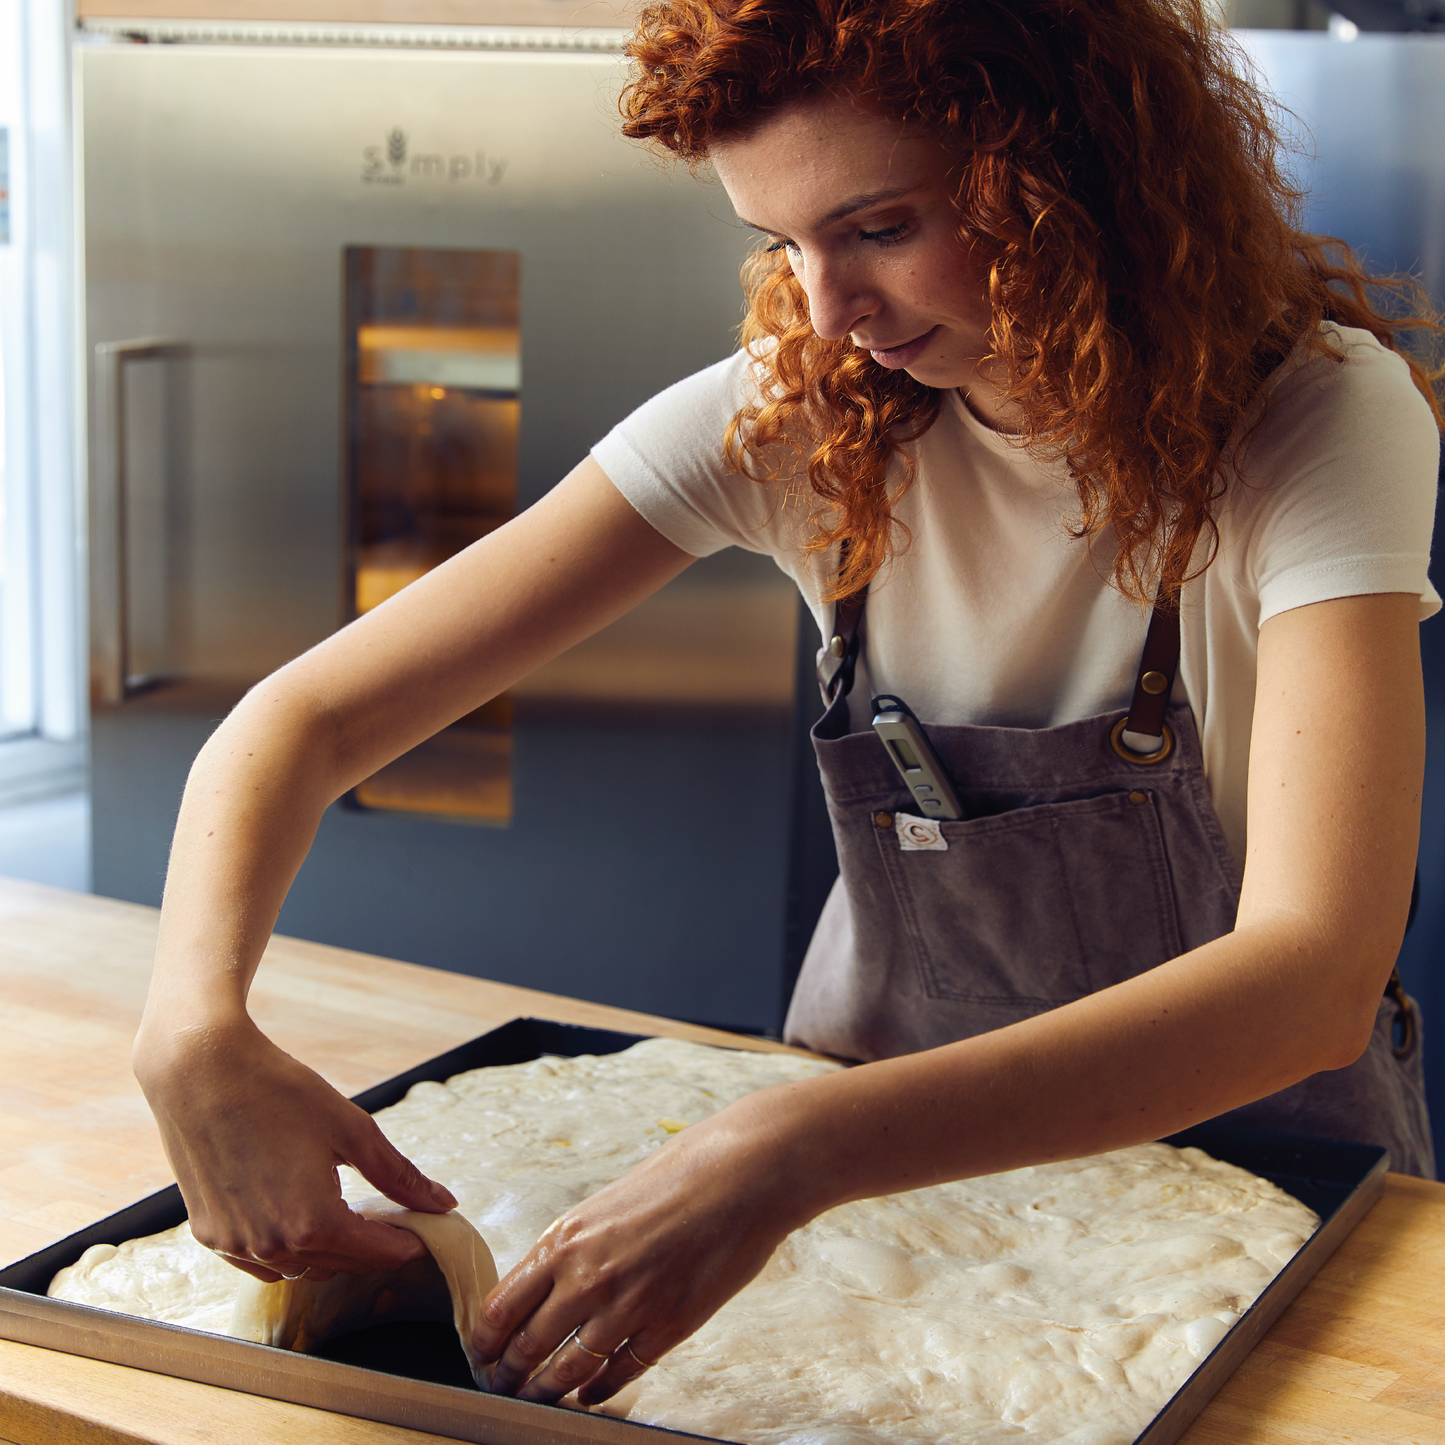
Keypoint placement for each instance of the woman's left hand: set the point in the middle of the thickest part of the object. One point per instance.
(631, 1272)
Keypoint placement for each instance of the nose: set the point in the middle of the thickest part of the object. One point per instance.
(840, 296)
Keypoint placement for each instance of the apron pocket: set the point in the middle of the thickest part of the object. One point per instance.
(1040, 905)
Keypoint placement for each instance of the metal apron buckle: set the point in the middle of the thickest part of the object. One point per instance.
(1116, 741)
(1404, 1016)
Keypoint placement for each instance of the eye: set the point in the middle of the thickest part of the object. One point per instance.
(782, 245)
(889, 236)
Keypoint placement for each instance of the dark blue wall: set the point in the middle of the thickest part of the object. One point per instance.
(1421, 958)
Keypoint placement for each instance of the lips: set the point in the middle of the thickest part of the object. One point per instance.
(904, 354)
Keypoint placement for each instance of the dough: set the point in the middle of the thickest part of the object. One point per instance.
(449, 1282)
(1063, 1303)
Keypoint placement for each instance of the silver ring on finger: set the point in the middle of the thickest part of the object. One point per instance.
(576, 1339)
(646, 1364)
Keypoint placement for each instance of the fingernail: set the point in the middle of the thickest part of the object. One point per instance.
(443, 1196)
(505, 1381)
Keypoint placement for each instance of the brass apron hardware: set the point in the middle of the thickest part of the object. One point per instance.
(1116, 741)
(1404, 1017)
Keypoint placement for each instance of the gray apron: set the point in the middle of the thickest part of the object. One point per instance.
(1074, 867)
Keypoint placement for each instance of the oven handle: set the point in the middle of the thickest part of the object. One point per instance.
(110, 608)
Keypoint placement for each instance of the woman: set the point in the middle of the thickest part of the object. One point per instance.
(1031, 343)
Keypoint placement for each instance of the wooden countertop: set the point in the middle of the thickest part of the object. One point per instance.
(1359, 1357)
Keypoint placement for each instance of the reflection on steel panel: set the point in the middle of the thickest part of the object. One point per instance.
(720, 639)
(433, 347)
(432, 405)
(463, 773)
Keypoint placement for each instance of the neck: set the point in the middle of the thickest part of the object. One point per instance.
(986, 397)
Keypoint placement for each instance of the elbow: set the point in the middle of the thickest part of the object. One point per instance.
(1353, 1040)
(1344, 1037)
(280, 727)
(1330, 980)
(1328, 1001)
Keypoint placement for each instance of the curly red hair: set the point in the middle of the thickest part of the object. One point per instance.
(1117, 182)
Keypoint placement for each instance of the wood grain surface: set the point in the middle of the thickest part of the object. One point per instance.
(1359, 1357)
(78, 1138)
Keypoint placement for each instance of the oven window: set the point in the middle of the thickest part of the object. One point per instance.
(433, 347)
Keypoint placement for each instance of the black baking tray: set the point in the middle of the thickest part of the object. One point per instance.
(415, 1375)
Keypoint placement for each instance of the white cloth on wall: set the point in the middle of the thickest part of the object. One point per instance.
(994, 614)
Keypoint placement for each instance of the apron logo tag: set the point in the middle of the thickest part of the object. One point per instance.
(919, 835)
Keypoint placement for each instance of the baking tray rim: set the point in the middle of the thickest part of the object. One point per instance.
(28, 1316)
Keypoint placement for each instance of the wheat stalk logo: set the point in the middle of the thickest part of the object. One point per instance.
(396, 146)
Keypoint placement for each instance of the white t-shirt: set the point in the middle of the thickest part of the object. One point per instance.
(993, 614)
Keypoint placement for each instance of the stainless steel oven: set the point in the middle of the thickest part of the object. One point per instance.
(351, 305)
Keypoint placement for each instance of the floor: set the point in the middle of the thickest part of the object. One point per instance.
(48, 841)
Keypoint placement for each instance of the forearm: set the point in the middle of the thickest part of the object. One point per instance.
(697, 1218)
(251, 807)
(1242, 1017)
(1333, 832)
(458, 636)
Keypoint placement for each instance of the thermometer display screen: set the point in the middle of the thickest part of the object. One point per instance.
(905, 754)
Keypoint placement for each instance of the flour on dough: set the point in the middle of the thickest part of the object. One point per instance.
(1064, 1303)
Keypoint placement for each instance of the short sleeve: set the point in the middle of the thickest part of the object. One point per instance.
(1336, 490)
(667, 460)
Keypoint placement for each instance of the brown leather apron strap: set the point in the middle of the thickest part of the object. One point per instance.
(839, 658)
(1158, 664)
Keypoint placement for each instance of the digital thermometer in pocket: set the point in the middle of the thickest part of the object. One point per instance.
(912, 754)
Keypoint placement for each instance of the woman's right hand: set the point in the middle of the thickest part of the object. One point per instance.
(255, 1139)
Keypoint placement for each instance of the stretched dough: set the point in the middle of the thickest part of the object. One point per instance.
(452, 1279)
(1062, 1303)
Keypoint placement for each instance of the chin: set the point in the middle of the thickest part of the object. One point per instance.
(941, 378)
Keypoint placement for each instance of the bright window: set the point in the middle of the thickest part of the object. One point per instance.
(41, 601)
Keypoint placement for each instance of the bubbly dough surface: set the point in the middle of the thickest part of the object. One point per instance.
(1064, 1303)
